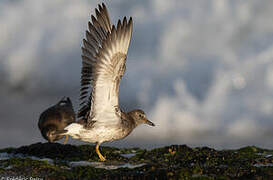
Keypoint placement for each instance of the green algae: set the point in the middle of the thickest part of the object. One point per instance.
(7, 150)
(171, 162)
(27, 167)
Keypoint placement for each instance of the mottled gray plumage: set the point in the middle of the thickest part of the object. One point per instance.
(104, 54)
(56, 118)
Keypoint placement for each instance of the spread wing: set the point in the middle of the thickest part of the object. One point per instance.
(98, 31)
(104, 57)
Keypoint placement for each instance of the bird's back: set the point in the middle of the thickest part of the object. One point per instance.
(60, 115)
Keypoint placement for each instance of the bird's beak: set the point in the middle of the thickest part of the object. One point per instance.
(50, 137)
(149, 122)
(50, 140)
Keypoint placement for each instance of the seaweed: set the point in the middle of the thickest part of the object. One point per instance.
(170, 162)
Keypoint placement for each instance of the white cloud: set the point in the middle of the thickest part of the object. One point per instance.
(244, 128)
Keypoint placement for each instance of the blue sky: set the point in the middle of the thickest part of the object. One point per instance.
(201, 70)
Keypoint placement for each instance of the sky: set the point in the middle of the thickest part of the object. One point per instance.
(201, 70)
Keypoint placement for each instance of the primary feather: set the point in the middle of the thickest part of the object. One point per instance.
(103, 65)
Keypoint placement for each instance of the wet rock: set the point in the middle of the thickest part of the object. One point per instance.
(58, 161)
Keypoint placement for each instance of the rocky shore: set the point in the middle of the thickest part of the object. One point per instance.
(57, 161)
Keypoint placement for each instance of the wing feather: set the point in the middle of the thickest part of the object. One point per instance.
(94, 38)
(103, 65)
(108, 71)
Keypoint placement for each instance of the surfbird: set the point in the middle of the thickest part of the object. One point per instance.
(56, 118)
(104, 54)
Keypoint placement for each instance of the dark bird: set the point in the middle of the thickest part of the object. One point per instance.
(104, 54)
(56, 118)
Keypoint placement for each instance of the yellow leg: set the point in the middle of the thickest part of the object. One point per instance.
(98, 152)
(65, 139)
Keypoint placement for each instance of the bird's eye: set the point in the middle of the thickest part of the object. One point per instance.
(140, 115)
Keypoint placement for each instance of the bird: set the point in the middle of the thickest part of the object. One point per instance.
(104, 54)
(56, 118)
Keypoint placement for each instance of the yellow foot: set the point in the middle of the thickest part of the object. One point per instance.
(99, 154)
(65, 139)
(102, 158)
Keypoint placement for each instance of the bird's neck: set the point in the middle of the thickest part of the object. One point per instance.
(128, 120)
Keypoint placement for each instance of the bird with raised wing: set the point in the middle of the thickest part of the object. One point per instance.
(56, 118)
(104, 54)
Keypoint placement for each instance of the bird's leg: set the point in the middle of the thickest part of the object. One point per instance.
(65, 139)
(98, 152)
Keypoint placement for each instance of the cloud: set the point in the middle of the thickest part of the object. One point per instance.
(40, 34)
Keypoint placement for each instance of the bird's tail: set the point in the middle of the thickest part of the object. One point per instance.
(71, 130)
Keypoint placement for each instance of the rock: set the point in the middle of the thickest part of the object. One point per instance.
(58, 161)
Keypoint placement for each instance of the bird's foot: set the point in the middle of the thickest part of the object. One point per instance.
(102, 159)
(99, 154)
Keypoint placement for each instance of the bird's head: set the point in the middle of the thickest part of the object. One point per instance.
(48, 133)
(140, 117)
